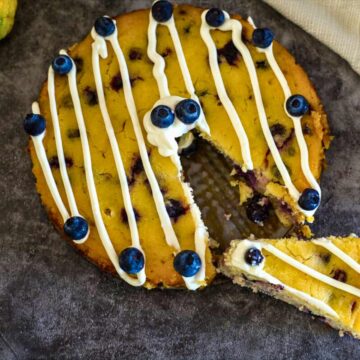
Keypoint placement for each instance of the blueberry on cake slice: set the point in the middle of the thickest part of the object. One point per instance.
(118, 107)
(319, 276)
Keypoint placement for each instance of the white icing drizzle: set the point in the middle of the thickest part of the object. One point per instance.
(59, 149)
(201, 237)
(169, 232)
(327, 244)
(45, 167)
(164, 139)
(159, 65)
(157, 59)
(99, 49)
(311, 272)
(237, 260)
(193, 282)
(58, 142)
(220, 87)
(236, 28)
(201, 234)
(304, 153)
(104, 236)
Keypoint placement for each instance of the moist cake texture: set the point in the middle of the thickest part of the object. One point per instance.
(320, 276)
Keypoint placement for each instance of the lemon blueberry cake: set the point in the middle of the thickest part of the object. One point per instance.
(320, 276)
(117, 109)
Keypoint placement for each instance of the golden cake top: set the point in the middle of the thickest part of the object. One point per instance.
(171, 117)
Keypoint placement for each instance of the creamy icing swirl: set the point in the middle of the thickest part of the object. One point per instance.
(164, 139)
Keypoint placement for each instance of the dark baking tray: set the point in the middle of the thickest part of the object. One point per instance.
(54, 304)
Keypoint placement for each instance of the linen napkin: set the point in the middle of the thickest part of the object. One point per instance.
(336, 23)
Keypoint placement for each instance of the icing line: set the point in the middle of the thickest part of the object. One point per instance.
(201, 234)
(169, 232)
(41, 154)
(224, 98)
(157, 59)
(258, 272)
(104, 236)
(311, 272)
(99, 47)
(164, 139)
(236, 28)
(236, 258)
(304, 153)
(45, 166)
(60, 151)
(327, 244)
(159, 65)
(58, 142)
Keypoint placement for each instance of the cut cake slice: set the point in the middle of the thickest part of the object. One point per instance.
(319, 276)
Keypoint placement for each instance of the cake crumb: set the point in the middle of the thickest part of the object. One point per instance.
(227, 216)
(246, 192)
(213, 243)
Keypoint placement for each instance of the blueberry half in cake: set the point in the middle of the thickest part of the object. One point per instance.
(118, 106)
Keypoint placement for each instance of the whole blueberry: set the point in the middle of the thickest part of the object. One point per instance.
(262, 38)
(162, 116)
(34, 124)
(309, 199)
(187, 263)
(297, 105)
(187, 111)
(131, 260)
(76, 227)
(104, 26)
(253, 256)
(62, 64)
(162, 11)
(215, 17)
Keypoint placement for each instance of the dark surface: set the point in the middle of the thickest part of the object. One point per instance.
(54, 304)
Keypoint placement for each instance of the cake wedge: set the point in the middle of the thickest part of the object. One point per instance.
(319, 276)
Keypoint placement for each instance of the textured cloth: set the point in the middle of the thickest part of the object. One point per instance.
(336, 23)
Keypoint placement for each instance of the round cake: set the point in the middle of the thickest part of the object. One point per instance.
(119, 108)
